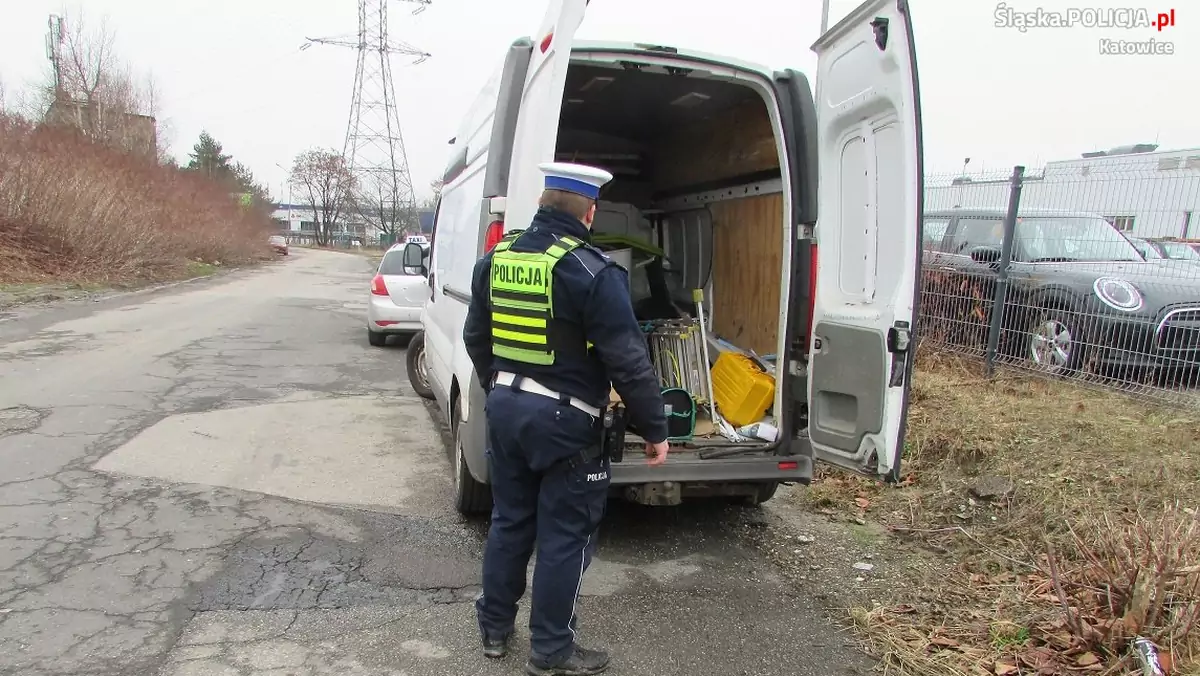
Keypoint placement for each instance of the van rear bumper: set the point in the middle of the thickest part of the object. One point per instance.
(634, 470)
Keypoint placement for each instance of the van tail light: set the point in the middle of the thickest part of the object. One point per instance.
(546, 42)
(378, 288)
(495, 233)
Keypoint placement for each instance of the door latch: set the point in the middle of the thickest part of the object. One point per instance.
(899, 338)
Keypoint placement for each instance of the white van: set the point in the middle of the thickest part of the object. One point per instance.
(717, 163)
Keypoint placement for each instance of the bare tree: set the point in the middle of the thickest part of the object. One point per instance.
(430, 203)
(94, 91)
(89, 69)
(323, 177)
(151, 105)
(29, 103)
(374, 200)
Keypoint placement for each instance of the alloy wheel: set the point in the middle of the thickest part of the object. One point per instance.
(1050, 345)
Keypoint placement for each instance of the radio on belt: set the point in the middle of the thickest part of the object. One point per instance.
(612, 434)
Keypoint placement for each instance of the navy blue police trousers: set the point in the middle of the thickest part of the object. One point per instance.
(538, 498)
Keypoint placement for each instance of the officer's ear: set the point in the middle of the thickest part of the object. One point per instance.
(591, 214)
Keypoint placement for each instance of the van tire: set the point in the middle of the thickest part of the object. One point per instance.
(471, 498)
(376, 339)
(418, 370)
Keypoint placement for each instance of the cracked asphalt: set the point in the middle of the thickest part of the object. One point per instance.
(222, 478)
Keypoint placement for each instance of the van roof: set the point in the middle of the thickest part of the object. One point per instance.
(1021, 213)
(594, 46)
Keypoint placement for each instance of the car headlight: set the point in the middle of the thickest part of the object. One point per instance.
(1118, 294)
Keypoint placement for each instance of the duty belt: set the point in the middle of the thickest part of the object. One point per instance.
(516, 382)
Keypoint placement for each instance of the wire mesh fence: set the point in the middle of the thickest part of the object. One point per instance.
(1088, 269)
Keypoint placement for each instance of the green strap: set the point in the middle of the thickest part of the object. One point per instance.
(631, 242)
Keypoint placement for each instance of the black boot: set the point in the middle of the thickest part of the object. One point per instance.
(495, 648)
(581, 662)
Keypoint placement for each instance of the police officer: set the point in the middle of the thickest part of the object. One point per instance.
(550, 331)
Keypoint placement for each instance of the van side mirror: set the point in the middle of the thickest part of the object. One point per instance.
(988, 255)
(414, 260)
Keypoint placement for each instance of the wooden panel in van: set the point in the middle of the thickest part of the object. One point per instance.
(730, 144)
(747, 265)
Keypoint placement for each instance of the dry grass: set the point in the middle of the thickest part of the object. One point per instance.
(73, 210)
(1089, 538)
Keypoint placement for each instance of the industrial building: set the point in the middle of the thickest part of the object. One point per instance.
(299, 223)
(1141, 190)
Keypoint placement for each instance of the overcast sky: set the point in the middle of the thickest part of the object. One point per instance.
(995, 94)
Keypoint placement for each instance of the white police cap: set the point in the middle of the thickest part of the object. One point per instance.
(576, 178)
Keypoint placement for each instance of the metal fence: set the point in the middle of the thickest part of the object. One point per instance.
(1088, 269)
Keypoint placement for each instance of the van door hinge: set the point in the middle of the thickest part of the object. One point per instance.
(899, 341)
(798, 380)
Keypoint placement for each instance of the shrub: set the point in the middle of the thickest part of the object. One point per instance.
(72, 209)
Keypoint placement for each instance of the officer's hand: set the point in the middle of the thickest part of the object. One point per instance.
(656, 452)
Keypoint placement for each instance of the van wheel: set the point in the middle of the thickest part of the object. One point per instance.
(470, 496)
(418, 370)
(376, 339)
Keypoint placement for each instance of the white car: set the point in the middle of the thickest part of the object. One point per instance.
(278, 243)
(398, 293)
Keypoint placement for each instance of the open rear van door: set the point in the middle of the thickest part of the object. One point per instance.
(541, 105)
(869, 239)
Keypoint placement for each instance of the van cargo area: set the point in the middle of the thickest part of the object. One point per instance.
(696, 203)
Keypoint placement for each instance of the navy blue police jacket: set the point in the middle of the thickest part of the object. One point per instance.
(591, 292)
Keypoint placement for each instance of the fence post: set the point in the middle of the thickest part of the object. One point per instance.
(1001, 295)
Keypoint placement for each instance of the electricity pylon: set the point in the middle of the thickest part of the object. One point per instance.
(374, 146)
